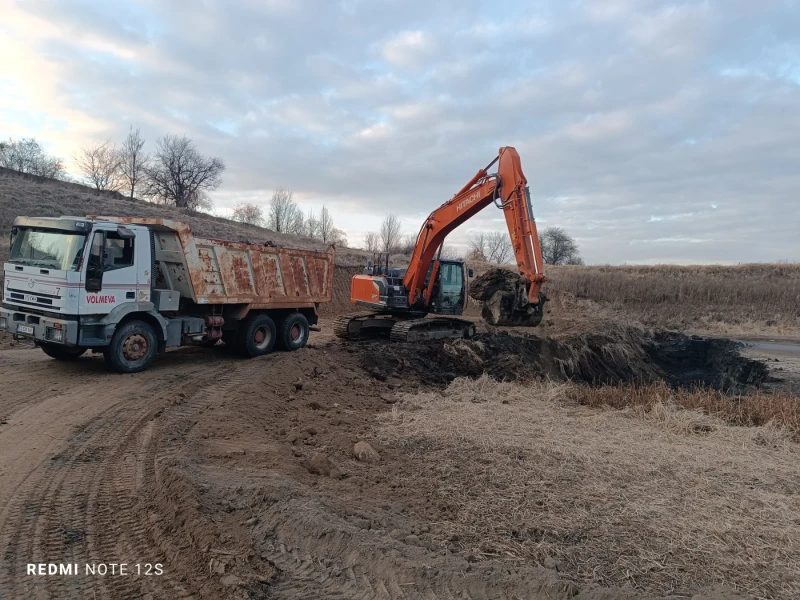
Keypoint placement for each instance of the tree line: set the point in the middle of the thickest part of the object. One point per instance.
(284, 215)
(27, 156)
(176, 173)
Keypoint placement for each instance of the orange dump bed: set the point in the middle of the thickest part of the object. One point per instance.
(221, 272)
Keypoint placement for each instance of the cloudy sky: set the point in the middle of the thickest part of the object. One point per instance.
(651, 131)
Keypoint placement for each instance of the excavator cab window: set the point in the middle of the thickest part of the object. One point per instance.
(451, 289)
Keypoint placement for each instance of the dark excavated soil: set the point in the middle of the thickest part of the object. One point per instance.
(483, 287)
(617, 356)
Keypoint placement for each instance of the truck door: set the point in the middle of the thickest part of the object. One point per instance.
(109, 277)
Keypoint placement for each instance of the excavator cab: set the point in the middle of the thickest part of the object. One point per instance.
(449, 295)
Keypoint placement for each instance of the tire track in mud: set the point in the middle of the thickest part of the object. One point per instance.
(81, 504)
(302, 547)
(321, 556)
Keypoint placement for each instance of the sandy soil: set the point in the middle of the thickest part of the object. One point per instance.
(240, 478)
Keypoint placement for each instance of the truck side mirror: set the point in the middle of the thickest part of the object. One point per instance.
(94, 284)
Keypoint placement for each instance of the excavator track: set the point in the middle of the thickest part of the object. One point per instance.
(371, 325)
(419, 330)
(341, 326)
(361, 325)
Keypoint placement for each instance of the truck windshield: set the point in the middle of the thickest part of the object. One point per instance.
(48, 248)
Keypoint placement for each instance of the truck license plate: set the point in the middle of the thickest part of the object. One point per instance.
(25, 329)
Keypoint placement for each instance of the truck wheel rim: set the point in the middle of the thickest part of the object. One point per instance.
(135, 347)
(261, 337)
(295, 333)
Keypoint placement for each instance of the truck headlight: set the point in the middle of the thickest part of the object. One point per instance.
(3, 323)
(54, 335)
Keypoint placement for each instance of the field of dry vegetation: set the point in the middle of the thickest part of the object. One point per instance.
(743, 299)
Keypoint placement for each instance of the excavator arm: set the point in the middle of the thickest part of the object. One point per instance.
(508, 190)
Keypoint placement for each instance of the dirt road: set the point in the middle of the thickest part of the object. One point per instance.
(144, 470)
(213, 477)
(76, 444)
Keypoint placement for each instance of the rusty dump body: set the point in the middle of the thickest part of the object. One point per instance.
(253, 276)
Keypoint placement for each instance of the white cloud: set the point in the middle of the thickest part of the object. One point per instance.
(635, 122)
(408, 49)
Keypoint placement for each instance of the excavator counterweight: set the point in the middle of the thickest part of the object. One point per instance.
(398, 300)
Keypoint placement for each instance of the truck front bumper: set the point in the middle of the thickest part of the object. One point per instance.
(38, 328)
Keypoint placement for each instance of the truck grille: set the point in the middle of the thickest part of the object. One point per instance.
(33, 299)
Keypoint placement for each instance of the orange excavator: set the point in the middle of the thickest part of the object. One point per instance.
(400, 300)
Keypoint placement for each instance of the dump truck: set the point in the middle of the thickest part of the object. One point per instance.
(130, 288)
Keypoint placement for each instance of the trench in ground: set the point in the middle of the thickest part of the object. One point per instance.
(621, 355)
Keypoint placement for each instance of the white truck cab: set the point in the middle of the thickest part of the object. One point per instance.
(66, 274)
(130, 288)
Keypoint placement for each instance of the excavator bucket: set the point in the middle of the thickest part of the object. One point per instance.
(505, 299)
(503, 309)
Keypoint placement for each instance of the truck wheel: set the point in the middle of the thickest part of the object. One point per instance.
(62, 352)
(132, 348)
(256, 336)
(293, 333)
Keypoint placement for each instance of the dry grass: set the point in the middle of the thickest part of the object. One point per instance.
(661, 498)
(779, 410)
(743, 299)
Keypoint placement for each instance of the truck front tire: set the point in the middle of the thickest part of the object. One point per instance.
(62, 352)
(293, 333)
(256, 336)
(133, 347)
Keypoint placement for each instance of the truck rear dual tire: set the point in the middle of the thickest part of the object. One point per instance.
(293, 332)
(256, 336)
(60, 352)
(133, 347)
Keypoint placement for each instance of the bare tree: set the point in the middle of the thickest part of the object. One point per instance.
(133, 160)
(180, 175)
(328, 233)
(326, 227)
(312, 226)
(559, 248)
(407, 244)
(284, 215)
(372, 242)
(248, 212)
(27, 156)
(100, 165)
(447, 251)
(390, 234)
(494, 246)
(477, 246)
(498, 244)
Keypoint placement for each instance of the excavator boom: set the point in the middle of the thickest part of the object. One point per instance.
(508, 190)
(400, 300)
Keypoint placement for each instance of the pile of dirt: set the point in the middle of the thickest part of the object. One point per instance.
(483, 287)
(340, 300)
(619, 355)
(503, 295)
